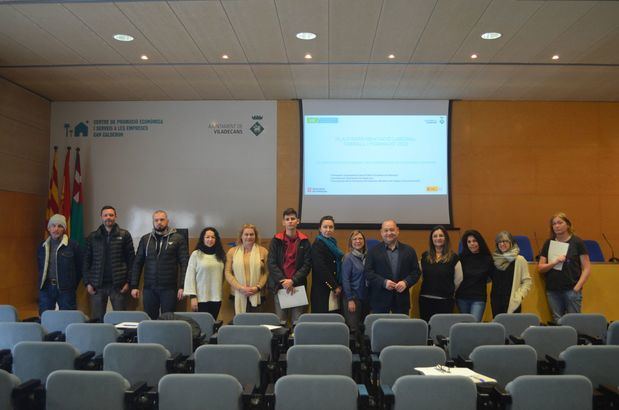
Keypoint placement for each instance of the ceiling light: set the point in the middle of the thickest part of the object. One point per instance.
(225, 56)
(473, 56)
(306, 35)
(391, 56)
(555, 57)
(308, 56)
(123, 37)
(491, 35)
(144, 57)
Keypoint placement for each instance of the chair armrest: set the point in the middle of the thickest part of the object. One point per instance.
(6, 360)
(442, 342)
(84, 361)
(141, 396)
(584, 339)
(363, 398)
(213, 339)
(217, 325)
(500, 396)
(462, 362)
(516, 340)
(56, 336)
(35, 319)
(29, 395)
(386, 396)
(179, 363)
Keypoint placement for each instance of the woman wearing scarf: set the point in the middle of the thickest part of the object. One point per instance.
(354, 289)
(247, 271)
(326, 269)
(204, 277)
(510, 278)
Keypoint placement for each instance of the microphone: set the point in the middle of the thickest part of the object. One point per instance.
(612, 259)
(536, 246)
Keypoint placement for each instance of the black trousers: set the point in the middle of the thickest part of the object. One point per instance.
(430, 306)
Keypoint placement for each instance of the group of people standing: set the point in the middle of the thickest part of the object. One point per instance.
(354, 283)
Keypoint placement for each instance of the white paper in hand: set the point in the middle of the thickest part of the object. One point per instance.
(555, 250)
(294, 299)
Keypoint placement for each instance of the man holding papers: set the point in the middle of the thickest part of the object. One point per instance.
(565, 262)
(391, 269)
(289, 264)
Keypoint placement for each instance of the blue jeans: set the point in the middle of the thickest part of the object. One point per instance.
(50, 295)
(561, 302)
(474, 307)
(155, 299)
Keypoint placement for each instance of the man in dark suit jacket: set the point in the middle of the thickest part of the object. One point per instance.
(391, 269)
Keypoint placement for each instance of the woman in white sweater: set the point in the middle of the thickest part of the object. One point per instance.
(247, 271)
(205, 272)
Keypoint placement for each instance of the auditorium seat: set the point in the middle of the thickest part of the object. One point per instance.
(8, 382)
(600, 364)
(397, 361)
(119, 316)
(594, 250)
(367, 327)
(516, 323)
(36, 360)
(258, 336)
(464, 337)
(397, 332)
(8, 313)
(239, 361)
(504, 363)
(524, 243)
(612, 335)
(550, 393)
(204, 319)
(78, 390)
(319, 360)
(591, 327)
(93, 337)
(434, 392)
(174, 335)
(549, 342)
(321, 334)
(55, 322)
(12, 333)
(321, 318)
(144, 362)
(441, 323)
(256, 319)
(200, 391)
(312, 392)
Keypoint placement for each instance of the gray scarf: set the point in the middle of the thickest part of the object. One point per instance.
(502, 260)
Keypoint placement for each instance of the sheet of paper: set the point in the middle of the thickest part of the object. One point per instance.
(455, 371)
(334, 302)
(127, 325)
(555, 250)
(294, 299)
(271, 327)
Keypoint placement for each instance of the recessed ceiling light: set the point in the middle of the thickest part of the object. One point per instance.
(555, 57)
(225, 56)
(391, 56)
(308, 56)
(306, 35)
(123, 37)
(491, 35)
(144, 57)
(474, 56)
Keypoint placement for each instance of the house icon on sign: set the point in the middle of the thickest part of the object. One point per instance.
(81, 130)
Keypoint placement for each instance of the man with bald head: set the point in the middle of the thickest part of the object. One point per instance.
(391, 269)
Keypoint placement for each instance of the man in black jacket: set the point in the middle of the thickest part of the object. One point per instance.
(107, 261)
(161, 253)
(391, 269)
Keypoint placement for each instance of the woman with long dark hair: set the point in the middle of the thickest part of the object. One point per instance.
(326, 268)
(477, 264)
(441, 271)
(205, 273)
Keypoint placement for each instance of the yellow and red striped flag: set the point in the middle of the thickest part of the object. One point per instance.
(52, 196)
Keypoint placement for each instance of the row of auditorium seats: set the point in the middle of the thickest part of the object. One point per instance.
(384, 333)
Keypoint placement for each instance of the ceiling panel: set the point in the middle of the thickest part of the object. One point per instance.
(548, 23)
(484, 82)
(415, 80)
(18, 27)
(311, 80)
(346, 81)
(107, 20)
(399, 28)
(352, 27)
(304, 16)
(210, 28)
(241, 82)
(276, 81)
(505, 17)
(449, 82)
(170, 81)
(62, 24)
(382, 80)
(604, 51)
(205, 81)
(256, 24)
(158, 23)
(450, 23)
(14, 53)
(136, 85)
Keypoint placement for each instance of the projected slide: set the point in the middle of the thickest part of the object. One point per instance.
(375, 155)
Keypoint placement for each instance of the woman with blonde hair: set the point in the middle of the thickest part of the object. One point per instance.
(355, 291)
(246, 270)
(510, 278)
(566, 272)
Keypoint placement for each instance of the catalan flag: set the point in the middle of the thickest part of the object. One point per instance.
(52, 197)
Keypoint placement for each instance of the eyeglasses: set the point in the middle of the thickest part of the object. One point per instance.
(442, 369)
(504, 241)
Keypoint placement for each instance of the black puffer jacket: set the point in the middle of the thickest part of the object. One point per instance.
(121, 256)
(161, 269)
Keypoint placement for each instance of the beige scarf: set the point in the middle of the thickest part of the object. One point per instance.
(238, 268)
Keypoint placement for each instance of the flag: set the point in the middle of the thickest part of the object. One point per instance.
(52, 196)
(77, 203)
(65, 202)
